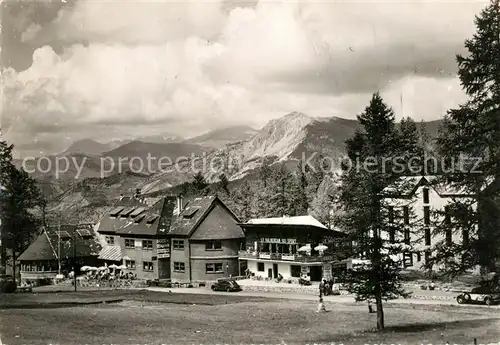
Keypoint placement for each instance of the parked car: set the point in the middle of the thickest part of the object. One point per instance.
(7, 284)
(486, 294)
(226, 285)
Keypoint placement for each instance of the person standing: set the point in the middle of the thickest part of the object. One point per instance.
(321, 306)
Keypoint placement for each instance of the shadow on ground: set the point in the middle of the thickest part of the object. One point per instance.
(424, 327)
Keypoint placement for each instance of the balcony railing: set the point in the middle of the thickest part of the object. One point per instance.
(285, 257)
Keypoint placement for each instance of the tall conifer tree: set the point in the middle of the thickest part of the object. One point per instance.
(20, 196)
(299, 201)
(373, 149)
(470, 137)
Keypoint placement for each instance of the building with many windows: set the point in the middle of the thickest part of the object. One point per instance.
(195, 242)
(422, 204)
(292, 247)
(133, 235)
(125, 211)
(205, 239)
(143, 240)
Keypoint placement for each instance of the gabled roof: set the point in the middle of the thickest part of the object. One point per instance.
(219, 223)
(113, 220)
(40, 249)
(151, 222)
(194, 213)
(296, 220)
(184, 226)
(406, 186)
(45, 247)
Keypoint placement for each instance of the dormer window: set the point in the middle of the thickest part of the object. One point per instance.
(137, 212)
(152, 219)
(190, 212)
(116, 211)
(139, 219)
(84, 233)
(125, 213)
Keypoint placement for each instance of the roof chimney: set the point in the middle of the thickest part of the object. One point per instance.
(179, 204)
(137, 193)
(121, 197)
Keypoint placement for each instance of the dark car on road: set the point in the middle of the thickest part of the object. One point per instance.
(485, 294)
(226, 285)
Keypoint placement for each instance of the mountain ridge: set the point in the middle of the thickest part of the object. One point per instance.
(285, 140)
(220, 137)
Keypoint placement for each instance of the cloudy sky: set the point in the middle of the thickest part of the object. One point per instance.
(123, 68)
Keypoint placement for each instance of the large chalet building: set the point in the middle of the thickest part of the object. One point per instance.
(204, 239)
(195, 242)
(422, 203)
(125, 211)
(289, 246)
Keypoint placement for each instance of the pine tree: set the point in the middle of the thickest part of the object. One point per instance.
(364, 207)
(411, 150)
(425, 141)
(262, 206)
(316, 174)
(323, 203)
(298, 199)
(471, 136)
(224, 184)
(265, 175)
(20, 197)
(5, 172)
(199, 181)
(243, 198)
(279, 193)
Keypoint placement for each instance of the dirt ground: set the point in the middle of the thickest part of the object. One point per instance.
(232, 320)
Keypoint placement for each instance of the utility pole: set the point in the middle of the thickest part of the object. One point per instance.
(3, 249)
(74, 258)
(59, 246)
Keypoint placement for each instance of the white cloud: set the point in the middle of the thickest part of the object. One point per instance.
(136, 22)
(192, 66)
(424, 98)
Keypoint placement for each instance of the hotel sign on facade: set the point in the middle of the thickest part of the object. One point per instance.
(163, 249)
(279, 240)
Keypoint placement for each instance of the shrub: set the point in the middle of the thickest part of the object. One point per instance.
(9, 286)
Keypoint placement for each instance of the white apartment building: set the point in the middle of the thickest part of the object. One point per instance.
(422, 206)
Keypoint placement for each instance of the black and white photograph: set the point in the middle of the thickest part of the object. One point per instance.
(209, 172)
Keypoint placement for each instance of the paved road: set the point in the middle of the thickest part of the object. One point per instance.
(327, 299)
(424, 297)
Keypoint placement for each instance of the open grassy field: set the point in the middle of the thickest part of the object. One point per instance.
(234, 320)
